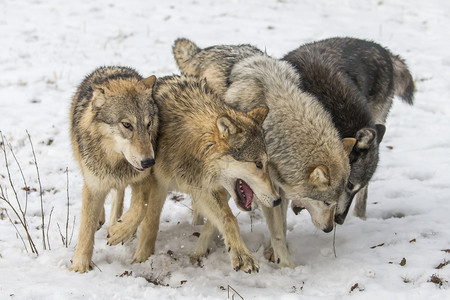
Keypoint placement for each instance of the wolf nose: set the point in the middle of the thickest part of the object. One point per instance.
(328, 229)
(277, 202)
(339, 219)
(147, 163)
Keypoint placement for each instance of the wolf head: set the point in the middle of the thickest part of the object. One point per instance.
(244, 164)
(363, 162)
(323, 190)
(127, 116)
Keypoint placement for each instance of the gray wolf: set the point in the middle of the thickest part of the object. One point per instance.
(113, 133)
(308, 160)
(210, 151)
(355, 80)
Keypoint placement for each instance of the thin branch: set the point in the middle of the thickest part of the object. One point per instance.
(22, 222)
(60, 234)
(23, 178)
(5, 198)
(48, 227)
(334, 241)
(73, 227)
(67, 215)
(17, 230)
(11, 183)
(96, 266)
(234, 291)
(334, 234)
(40, 190)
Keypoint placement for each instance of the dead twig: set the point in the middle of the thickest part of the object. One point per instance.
(15, 227)
(234, 293)
(40, 191)
(73, 227)
(48, 227)
(63, 240)
(4, 196)
(67, 215)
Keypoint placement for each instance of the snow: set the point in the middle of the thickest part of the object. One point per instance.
(49, 46)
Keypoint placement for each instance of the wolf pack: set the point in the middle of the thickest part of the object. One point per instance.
(302, 131)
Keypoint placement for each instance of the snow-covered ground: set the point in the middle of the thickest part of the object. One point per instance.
(46, 49)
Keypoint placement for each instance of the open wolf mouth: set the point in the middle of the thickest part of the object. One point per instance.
(244, 194)
(297, 209)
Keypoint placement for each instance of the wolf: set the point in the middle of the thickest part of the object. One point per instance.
(210, 151)
(356, 81)
(308, 160)
(114, 121)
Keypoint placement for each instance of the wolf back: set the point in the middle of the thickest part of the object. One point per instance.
(308, 160)
(355, 80)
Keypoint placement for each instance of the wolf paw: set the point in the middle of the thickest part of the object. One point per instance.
(269, 255)
(282, 260)
(196, 257)
(120, 232)
(243, 260)
(81, 265)
(141, 256)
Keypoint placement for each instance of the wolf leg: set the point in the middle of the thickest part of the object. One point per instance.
(201, 247)
(101, 219)
(150, 223)
(277, 251)
(90, 213)
(117, 197)
(197, 218)
(127, 225)
(216, 209)
(361, 203)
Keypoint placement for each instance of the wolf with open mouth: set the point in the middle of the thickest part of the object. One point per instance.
(209, 151)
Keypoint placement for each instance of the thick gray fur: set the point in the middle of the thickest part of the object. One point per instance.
(356, 81)
(302, 141)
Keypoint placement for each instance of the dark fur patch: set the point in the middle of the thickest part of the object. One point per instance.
(355, 80)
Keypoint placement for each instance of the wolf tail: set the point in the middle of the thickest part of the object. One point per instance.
(403, 81)
(183, 51)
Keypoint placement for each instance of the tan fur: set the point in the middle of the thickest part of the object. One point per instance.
(349, 143)
(308, 162)
(204, 147)
(108, 153)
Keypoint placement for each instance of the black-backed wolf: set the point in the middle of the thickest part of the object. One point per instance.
(356, 81)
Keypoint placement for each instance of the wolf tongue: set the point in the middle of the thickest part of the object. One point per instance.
(248, 194)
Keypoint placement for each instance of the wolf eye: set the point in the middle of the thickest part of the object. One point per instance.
(127, 125)
(259, 164)
(149, 125)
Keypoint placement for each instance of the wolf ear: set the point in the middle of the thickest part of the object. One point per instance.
(320, 176)
(381, 129)
(149, 82)
(98, 96)
(259, 114)
(226, 127)
(365, 138)
(348, 144)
